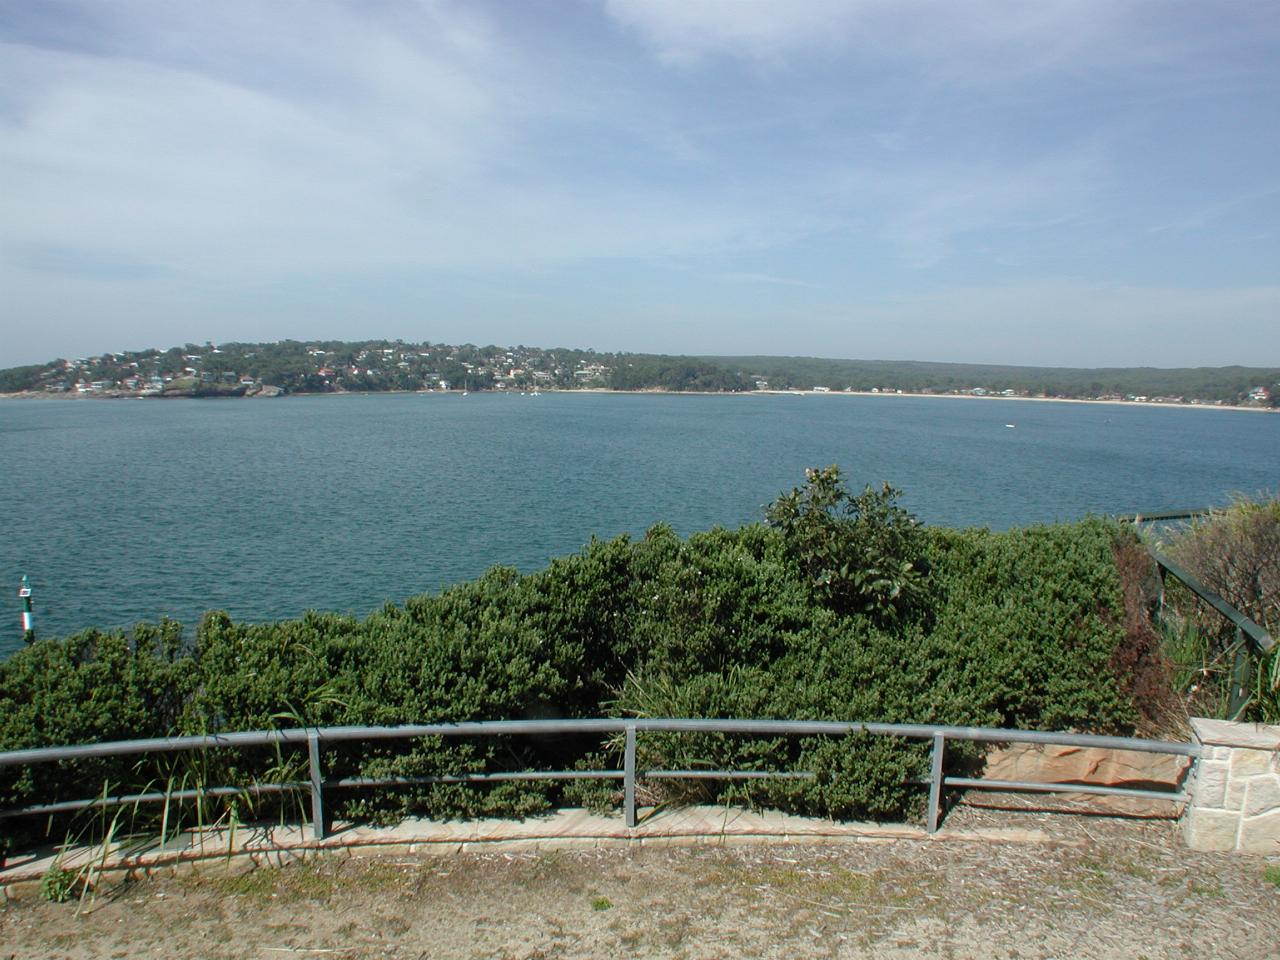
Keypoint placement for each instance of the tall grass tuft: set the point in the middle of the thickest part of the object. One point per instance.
(1234, 552)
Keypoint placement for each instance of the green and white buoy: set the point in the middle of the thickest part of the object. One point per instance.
(28, 624)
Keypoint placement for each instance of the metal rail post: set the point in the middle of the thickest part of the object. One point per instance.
(1161, 573)
(319, 825)
(935, 780)
(1241, 678)
(629, 777)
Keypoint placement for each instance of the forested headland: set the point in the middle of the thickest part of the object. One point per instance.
(268, 369)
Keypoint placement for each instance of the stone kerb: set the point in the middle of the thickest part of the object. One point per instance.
(1235, 799)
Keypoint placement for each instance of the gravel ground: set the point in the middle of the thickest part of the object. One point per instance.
(1099, 888)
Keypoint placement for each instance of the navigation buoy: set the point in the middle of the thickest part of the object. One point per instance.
(28, 624)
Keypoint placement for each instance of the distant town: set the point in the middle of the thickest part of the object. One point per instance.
(293, 367)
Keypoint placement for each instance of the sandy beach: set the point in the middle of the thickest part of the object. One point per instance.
(40, 395)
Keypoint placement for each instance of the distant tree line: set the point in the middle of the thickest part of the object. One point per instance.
(646, 372)
(1209, 384)
(382, 365)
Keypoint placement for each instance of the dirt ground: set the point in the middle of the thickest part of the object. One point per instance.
(1100, 888)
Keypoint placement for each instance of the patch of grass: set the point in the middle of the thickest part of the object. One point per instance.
(601, 903)
(1090, 877)
(59, 885)
(316, 880)
(817, 881)
(1133, 868)
(1272, 875)
(1210, 887)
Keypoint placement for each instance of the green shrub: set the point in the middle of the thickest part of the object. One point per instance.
(841, 608)
(861, 553)
(90, 687)
(1031, 619)
(59, 885)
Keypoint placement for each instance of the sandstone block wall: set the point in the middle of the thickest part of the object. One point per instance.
(1235, 798)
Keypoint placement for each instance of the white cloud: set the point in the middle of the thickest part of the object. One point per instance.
(400, 153)
(1010, 45)
(164, 159)
(1046, 32)
(207, 172)
(682, 31)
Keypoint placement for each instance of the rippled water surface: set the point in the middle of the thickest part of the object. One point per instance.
(129, 510)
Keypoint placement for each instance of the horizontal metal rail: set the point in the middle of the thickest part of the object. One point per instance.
(1022, 785)
(318, 785)
(1167, 515)
(125, 800)
(728, 775)
(476, 778)
(482, 728)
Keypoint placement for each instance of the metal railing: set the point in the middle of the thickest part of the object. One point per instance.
(315, 738)
(1252, 640)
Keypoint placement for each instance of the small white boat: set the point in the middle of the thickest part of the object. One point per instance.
(1010, 425)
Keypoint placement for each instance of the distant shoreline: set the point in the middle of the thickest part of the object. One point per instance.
(1143, 404)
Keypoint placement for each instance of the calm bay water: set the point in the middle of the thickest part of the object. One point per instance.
(129, 510)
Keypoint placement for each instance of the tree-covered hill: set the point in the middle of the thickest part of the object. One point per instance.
(1207, 384)
(380, 365)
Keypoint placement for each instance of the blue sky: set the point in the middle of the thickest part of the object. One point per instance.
(1090, 182)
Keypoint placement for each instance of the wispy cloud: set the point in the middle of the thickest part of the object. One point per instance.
(1051, 322)
(280, 165)
(1209, 213)
(946, 34)
(765, 278)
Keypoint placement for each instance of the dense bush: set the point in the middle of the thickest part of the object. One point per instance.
(861, 554)
(91, 687)
(841, 608)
